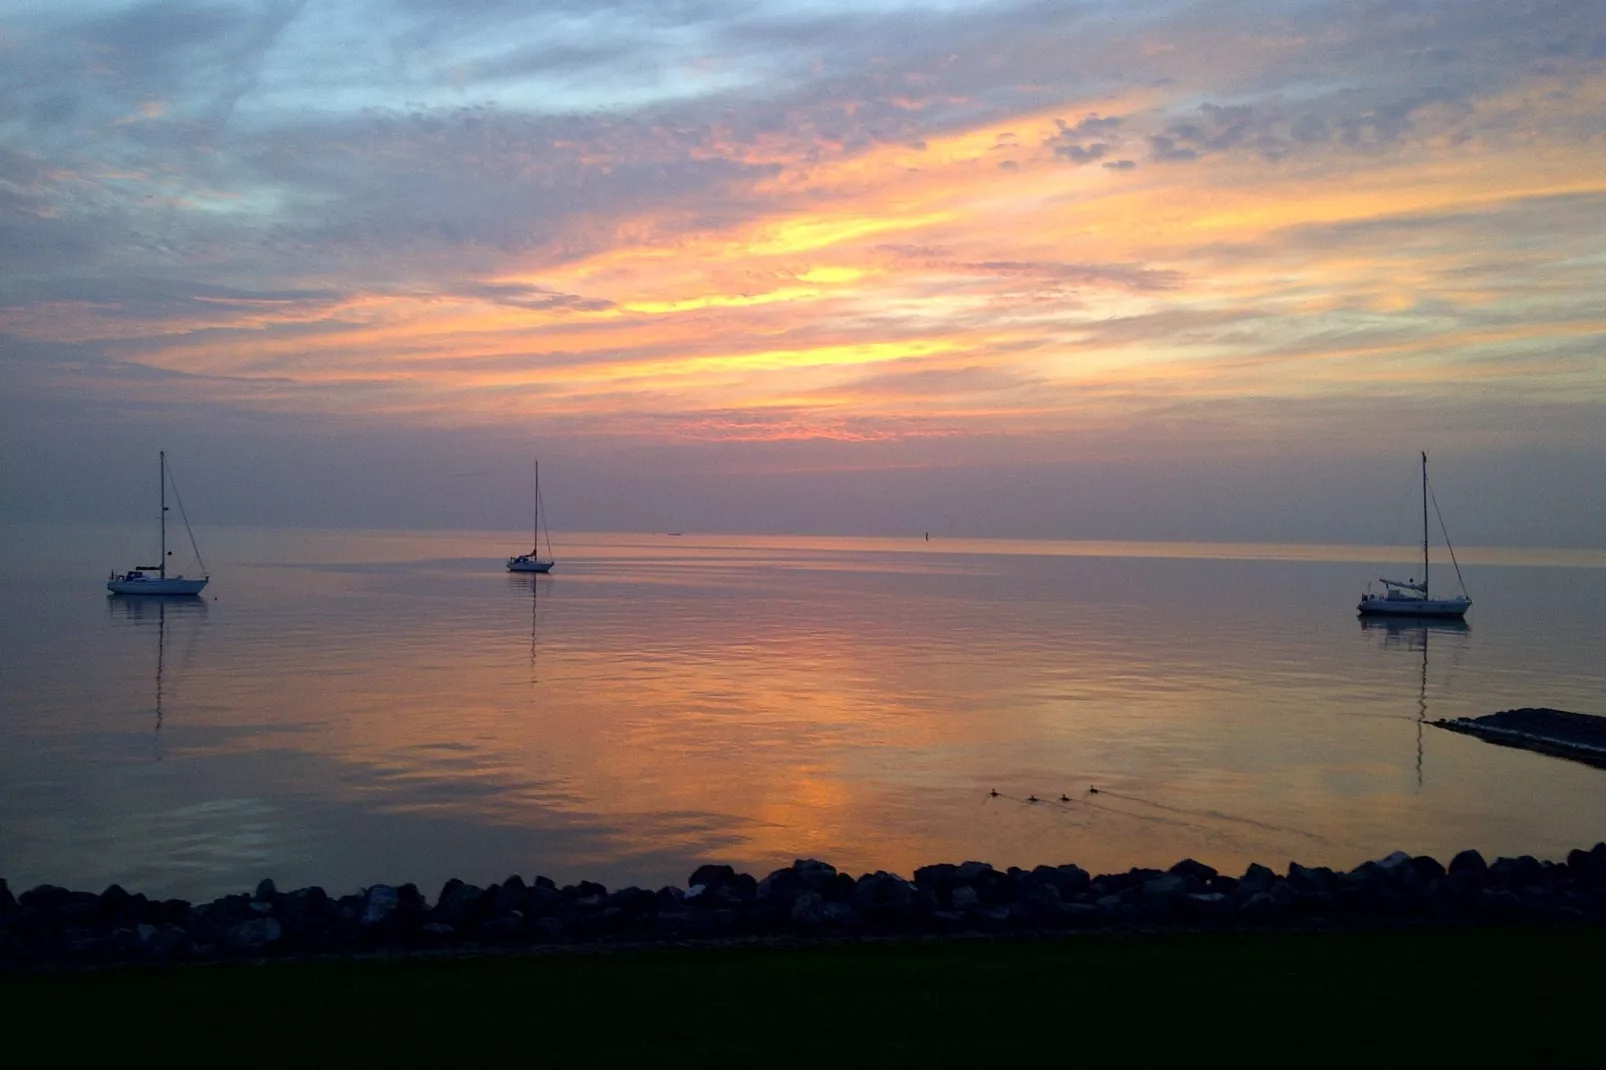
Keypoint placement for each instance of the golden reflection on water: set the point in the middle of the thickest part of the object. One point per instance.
(352, 702)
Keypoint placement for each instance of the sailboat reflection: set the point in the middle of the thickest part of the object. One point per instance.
(156, 609)
(533, 582)
(1411, 634)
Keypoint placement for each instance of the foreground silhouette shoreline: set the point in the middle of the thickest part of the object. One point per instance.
(49, 926)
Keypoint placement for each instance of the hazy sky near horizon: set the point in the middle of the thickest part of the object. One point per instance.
(1202, 269)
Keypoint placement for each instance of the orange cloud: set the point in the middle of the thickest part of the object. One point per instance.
(1094, 293)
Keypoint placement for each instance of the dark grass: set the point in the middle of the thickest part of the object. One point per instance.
(1479, 997)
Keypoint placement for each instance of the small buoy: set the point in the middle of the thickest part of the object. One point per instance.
(1031, 798)
(1092, 791)
(994, 793)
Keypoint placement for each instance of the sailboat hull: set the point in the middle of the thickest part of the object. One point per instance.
(137, 584)
(525, 564)
(1439, 608)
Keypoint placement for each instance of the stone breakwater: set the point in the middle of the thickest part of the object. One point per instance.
(49, 925)
(1579, 736)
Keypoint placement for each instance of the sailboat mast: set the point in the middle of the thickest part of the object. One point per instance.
(1424, 524)
(161, 478)
(535, 522)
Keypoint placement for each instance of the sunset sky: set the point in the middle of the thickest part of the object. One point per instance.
(1211, 269)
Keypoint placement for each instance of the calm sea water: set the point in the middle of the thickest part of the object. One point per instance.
(348, 708)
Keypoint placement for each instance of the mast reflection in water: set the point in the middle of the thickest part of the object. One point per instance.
(187, 613)
(1414, 635)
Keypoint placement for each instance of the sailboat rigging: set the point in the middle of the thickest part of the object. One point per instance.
(532, 562)
(1410, 598)
(138, 580)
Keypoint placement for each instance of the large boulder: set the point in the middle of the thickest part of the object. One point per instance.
(817, 875)
(160, 941)
(1500, 904)
(503, 928)
(46, 899)
(633, 902)
(1192, 870)
(780, 886)
(460, 904)
(711, 876)
(546, 898)
(1043, 893)
(883, 896)
(808, 909)
(120, 909)
(512, 894)
(1256, 879)
(1311, 880)
(258, 934)
(940, 878)
(305, 913)
(1165, 888)
(1585, 869)
(1261, 906)
(1397, 866)
(841, 915)
(586, 893)
(379, 903)
(1078, 915)
(1426, 868)
(1521, 872)
(436, 932)
(1206, 906)
(1074, 879)
(1366, 877)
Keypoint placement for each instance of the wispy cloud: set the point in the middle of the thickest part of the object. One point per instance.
(967, 220)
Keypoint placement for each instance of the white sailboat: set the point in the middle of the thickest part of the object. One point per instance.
(1410, 598)
(140, 579)
(532, 562)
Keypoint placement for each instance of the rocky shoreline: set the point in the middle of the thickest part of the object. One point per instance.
(1579, 736)
(52, 926)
